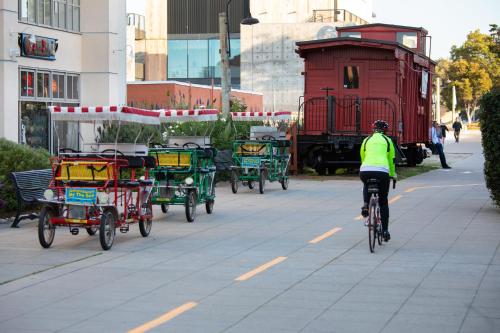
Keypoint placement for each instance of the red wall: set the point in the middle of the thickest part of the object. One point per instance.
(168, 94)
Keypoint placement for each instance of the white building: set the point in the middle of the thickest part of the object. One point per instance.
(269, 63)
(58, 52)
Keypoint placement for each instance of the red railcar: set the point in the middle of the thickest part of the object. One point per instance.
(370, 72)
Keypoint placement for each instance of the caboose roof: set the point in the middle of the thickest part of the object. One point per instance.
(352, 41)
(381, 25)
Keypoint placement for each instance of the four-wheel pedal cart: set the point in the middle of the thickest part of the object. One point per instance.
(99, 188)
(185, 171)
(263, 157)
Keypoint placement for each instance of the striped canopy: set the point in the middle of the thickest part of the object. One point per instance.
(170, 116)
(255, 116)
(105, 113)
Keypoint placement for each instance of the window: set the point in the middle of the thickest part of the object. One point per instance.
(408, 39)
(42, 85)
(62, 14)
(350, 34)
(214, 58)
(198, 58)
(58, 86)
(27, 83)
(351, 77)
(177, 59)
(72, 87)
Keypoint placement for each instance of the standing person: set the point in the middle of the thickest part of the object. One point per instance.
(457, 127)
(444, 129)
(377, 161)
(436, 140)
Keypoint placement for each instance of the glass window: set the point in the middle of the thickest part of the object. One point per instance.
(198, 58)
(234, 61)
(23, 10)
(408, 39)
(72, 91)
(350, 34)
(76, 17)
(58, 86)
(27, 83)
(44, 12)
(351, 77)
(34, 124)
(42, 85)
(214, 58)
(177, 59)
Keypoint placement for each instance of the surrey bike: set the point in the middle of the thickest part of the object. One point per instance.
(99, 188)
(373, 220)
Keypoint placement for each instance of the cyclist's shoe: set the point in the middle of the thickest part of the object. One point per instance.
(364, 211)
(386, 235)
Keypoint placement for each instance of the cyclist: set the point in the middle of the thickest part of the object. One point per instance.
(377, 161)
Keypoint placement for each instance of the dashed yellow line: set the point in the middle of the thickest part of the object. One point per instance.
(396, 198)
(163, 318)
(260, 269)
(325, 235)
(412, 189)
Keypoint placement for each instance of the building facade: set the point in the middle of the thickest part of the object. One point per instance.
(58, 52)
(269, 62)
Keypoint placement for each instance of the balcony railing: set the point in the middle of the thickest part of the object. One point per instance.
(339, 15)
(139, 22)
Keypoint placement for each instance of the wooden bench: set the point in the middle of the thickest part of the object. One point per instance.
(30, 186)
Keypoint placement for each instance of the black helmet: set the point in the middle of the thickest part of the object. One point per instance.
(380, 126)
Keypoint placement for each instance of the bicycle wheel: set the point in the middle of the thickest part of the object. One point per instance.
(379, 226)
(372, 227)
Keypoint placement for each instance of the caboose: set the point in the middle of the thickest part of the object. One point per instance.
(369, 72)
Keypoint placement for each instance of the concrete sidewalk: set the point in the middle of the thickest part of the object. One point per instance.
(285, 261)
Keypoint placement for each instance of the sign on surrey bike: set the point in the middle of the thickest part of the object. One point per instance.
(81, 196)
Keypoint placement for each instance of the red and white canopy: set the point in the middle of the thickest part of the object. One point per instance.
(171, 116)
(256, 116)
(105, 113)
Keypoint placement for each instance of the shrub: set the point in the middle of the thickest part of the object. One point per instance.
(16, 157)
(490, 131)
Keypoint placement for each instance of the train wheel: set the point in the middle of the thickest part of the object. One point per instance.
(46, 230)
(107, 230)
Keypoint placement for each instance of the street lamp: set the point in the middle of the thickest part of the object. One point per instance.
(225, 53)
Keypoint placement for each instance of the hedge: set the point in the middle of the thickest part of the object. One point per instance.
(16, 157)
(490, 131)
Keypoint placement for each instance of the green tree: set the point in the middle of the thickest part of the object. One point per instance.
(474, 69)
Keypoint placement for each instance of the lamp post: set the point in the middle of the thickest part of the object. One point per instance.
(225, 54)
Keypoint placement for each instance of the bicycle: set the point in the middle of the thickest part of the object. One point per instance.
(373, 221)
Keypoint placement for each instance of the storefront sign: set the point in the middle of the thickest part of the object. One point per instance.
(37, 47)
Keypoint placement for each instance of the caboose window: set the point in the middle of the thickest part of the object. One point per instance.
(350, 34)
(408, 39)
(351, 77)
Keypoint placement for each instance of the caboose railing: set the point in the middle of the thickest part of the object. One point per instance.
(349, 115)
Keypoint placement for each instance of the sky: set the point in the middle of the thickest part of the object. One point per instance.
(447, 21)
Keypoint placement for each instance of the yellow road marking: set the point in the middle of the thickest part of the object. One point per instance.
(260, 269)
(163, 318)
(396, 198)
(325, 235)
(412, 189)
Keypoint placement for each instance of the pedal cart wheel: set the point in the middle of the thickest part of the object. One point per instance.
(191, 206)
(164, 208)
(146, 223)
(91, 231)
(234, 181)
(262, 181)
(284, 183)
(251, 185)
(46, 231)
(107, 230)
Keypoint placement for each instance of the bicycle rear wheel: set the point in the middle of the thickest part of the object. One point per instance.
(379, 226)
(372, 224)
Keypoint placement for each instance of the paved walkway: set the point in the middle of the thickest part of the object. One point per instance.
(286, 261)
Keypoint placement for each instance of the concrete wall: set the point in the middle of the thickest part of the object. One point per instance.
(301, 11)
(270, 65)
(156, 40)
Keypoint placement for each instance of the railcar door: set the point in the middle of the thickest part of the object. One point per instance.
(352, 86)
